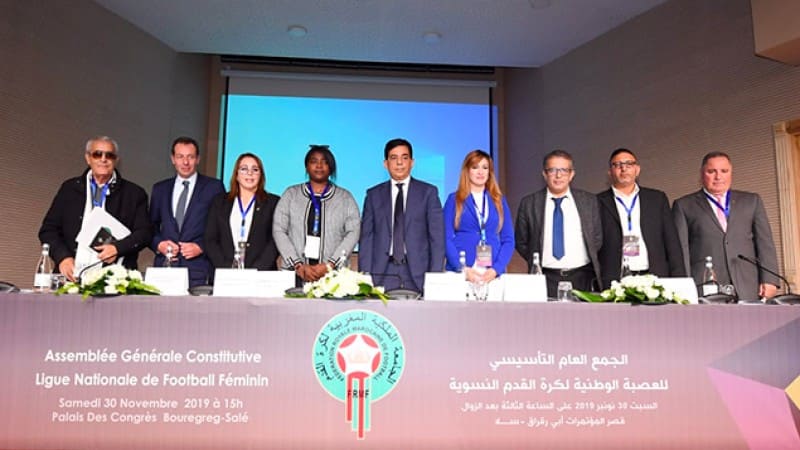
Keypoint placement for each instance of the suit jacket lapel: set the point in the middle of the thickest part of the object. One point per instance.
(226, 222)
(539, 204)
(386, 206)
(412, 198)
(704, 205)
(199, 185)
(608, 200)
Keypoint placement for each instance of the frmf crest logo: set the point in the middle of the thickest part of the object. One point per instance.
(358, 358)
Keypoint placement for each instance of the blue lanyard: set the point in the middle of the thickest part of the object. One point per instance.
(727, 209)
(317, 205)
(483, 216)
(629, 210)
(244, 214)
(103, 193)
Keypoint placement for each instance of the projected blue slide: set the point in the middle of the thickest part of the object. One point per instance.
(280, 129)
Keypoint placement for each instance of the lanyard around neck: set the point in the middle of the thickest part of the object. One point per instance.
(317, 205)
(244, 213)
(103, 193)
(628, 210)
(483, 215)
(727, 208)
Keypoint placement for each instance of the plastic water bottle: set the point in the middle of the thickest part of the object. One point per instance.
(710, 283)
(343, 261)
(626, 268)
(462, 267)
(168, 256)
(44, 271)
(239, 255)
(536, 267)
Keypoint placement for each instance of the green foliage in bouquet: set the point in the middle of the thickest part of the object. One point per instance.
(633, 289)
(342, 283)
(109, 280)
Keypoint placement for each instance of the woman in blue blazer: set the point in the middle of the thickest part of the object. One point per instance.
(477, 212)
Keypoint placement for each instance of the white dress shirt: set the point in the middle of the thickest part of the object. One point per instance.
(575, 254)
(393, 183)
(178, 188)
(636, 263)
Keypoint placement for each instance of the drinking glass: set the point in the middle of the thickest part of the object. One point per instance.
(564, 291)
(480, 290)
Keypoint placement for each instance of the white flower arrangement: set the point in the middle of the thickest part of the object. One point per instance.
(110, 280)
(635, 289)
(343, 283)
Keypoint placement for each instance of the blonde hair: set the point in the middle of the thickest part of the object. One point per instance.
(474, 157)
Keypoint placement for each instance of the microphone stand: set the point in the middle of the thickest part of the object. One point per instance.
(82, 271)
(401, 293)
(786, 299)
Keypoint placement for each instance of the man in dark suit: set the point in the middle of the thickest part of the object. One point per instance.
(562, 225)
(722, 223)
(100, 186)
(179, 208)
(637, 223)
(402, 228)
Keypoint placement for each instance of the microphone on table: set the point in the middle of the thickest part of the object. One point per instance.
(401, 293)
(786, 299)
(82, 271)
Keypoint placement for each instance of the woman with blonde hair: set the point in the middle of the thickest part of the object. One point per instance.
(478, 222)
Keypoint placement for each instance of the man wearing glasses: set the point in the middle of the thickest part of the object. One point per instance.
(179, 209)
(100, 186)
(637, 225)
(562, 225)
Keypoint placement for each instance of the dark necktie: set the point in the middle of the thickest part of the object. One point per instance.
(558, 229)
(398, 233)
(97, 196)
(180, 211)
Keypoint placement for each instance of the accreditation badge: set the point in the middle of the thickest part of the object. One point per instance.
(312, 247)
(483, 255)
(630, 245)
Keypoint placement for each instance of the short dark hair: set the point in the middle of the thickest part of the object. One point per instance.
(397, 143)
(715, 154)
(187, 141)
(326, 153)
(558, 153)
(618, 151)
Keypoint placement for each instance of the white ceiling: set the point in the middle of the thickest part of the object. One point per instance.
(498, 33)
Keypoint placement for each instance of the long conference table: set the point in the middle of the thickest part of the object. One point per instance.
(144, 372)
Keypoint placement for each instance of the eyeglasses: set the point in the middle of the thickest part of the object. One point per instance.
(98, 154)
(621, 164)
(245, 169)
(554, 170)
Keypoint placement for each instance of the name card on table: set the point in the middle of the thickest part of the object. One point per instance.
(168, 280)
(274, 283)
(684, 287)
(236, 283)
(252, 283)
(523, 287)
(445, 286)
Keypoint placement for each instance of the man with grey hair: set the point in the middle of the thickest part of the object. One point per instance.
(100, 186)
(731, 227)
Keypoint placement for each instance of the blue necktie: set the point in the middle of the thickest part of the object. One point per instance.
(558, 229)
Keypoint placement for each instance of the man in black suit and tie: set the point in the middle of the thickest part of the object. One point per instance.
(722, 223)
(179, 209)
(637, 223)
(402, 227)
(562, 225)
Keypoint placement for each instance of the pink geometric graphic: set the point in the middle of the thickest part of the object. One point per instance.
(762, 412)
